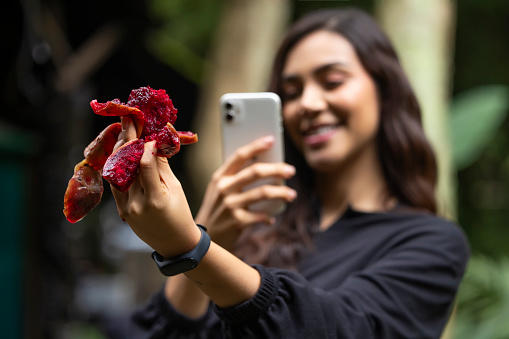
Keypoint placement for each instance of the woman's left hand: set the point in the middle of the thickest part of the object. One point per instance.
(155, 206)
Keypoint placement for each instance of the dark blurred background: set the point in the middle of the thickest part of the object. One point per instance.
(62, 280)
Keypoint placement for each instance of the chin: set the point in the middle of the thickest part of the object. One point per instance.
(323, 164)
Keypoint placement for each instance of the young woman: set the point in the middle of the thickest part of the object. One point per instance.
(358, 253)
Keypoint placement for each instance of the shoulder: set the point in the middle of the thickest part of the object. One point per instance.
(429, 233)
(431, 225)
(410, 224)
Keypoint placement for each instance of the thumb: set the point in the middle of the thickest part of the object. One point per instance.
(128, 132)
(149, 170)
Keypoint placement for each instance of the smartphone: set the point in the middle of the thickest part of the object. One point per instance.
(249, 116)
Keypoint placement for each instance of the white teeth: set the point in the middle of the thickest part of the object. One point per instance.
(321, 130)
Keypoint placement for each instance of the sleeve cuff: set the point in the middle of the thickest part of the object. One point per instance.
(161, 314)
(255, 306)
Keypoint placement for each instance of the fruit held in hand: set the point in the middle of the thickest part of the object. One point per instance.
(84, 192)
(153, 114)
(123, 165)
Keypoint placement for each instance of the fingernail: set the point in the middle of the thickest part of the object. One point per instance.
(289, 170)
(292, 194)
(268, 140)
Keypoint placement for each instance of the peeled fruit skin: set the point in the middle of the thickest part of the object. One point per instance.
(122, 167)
(187, 137)
(101, 148)
(167, 141)
(115, 108)
(84, 192)
(153, 114)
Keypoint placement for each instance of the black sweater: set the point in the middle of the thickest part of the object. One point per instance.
(372, 275)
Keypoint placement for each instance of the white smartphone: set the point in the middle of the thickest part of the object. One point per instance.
(249, 116)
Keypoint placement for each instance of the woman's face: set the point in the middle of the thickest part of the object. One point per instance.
(330, 107)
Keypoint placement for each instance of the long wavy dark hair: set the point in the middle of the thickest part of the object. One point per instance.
(408, 161)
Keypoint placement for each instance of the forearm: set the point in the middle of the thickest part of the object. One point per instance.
(224, 278)
(186, 297)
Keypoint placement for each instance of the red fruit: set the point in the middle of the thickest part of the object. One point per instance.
(101, 148)
(153, 114)
(157, 107)
(117, 109)
(167, 141)
(187, 138)
(83, 193)
(123, 165)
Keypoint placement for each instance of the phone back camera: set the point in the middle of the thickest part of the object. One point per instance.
(230, 115)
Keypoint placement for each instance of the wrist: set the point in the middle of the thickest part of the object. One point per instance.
(184, 262)
(180, 243)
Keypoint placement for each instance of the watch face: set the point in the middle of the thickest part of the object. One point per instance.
(178, 266)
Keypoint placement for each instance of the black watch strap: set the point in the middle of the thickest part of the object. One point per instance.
(184, 262)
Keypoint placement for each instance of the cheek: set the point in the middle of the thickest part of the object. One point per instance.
(291, 123)
(372, 109)
(367, 117)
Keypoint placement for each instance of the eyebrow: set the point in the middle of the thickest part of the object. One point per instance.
(316, 71)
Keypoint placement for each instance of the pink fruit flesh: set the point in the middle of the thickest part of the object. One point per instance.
(122, 167)
(167, 141)
(153, 114)
(157, 107)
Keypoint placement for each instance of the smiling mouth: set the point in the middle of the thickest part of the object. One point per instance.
(320, 130)
(320, 134)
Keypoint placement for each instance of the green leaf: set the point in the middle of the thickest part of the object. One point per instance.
(476, 115)
(176, 55)
(483, 300)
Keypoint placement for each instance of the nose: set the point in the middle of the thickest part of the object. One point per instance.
(312, 100)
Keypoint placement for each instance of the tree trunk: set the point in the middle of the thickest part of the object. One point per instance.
(422, 32)
(246, 40)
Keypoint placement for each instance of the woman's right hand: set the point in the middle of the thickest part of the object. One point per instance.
(224, 210)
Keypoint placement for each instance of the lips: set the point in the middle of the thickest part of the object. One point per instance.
(319, 134)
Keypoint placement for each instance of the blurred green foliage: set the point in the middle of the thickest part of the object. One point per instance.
(480, 58)
(476, 116)
(182, 33)
(483, 300)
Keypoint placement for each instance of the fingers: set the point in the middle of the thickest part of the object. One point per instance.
(245, 153)
(238, 219)
(266, 192)
(246, 218)
(128, 132)
(149, 171)
(256, 172)
(121, 199)
(236, 205)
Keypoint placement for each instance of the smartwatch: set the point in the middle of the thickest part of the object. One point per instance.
(184, 262)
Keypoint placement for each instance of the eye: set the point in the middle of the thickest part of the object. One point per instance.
(290, 91)
(333, 84)
(331, 79)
